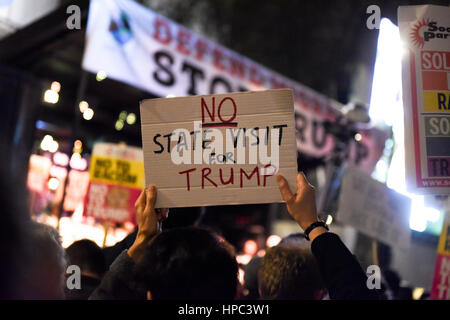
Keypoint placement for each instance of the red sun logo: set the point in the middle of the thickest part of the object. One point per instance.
(416, 34)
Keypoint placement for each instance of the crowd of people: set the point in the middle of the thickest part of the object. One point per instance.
(181, 262)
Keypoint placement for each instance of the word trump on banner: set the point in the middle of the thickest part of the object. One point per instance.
(219, 149)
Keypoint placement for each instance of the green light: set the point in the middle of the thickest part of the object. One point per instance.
(131, 118)
(123, 115)
(119, 125)
(101, 75)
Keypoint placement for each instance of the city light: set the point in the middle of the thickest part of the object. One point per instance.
(358, 137)
(83, 106)
(250, 247)
(77, 146)
(123, 115)
(61, 159)
(119, 125)
(48, 144)
(329, 220)
(51, 96)
(55, 86)
(273, 240)
(58, 172)
(77, 162)
(101, 75)
(53, 184)
(131, 118)
(88, 114)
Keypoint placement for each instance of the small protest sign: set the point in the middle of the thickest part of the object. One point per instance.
(374, 209)
(116, 180)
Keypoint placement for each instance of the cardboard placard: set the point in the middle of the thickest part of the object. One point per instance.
(374, 209)
(219, 149)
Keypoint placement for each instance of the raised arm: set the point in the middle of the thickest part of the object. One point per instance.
(341, 272)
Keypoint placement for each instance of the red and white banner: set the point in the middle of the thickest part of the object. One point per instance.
(144, 49)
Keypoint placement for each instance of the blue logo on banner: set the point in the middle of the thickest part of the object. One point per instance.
(121, 29)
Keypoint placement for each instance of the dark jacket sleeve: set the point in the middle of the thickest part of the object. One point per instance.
(111, 253)
(120, 282)
(341, 272)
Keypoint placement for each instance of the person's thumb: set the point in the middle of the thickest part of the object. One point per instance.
(151, 198)
(286, 192)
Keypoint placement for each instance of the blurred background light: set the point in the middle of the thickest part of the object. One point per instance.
(250, 247)
(51, 96)
(273, 240)
(88, 114)
(131, 118)
(53, 184)
(83, 106)
(119, 125)
(55, 86)
(101, 75)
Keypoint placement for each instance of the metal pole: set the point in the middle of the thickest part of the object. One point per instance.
(81, 92)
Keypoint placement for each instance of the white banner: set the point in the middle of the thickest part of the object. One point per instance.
(142, 48)
(374, 209)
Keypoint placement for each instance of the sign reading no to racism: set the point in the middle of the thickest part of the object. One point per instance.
(219, 149)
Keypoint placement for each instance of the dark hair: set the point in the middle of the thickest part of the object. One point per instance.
(88, 256)
(297, 239)
(189, 263)
(45, 263)
(183, 217)
(289, 273)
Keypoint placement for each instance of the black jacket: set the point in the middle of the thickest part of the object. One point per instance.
(341, 272)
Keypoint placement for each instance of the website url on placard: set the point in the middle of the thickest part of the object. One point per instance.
(436, 183)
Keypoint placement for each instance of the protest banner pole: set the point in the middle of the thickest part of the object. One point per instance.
(106, 226)
(81, 92)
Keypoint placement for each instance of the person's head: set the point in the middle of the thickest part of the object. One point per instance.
(87, 255)
(251, 278)
(289, 273)
(45, 263)
(296, 240)
(183, 217)
(188, 263)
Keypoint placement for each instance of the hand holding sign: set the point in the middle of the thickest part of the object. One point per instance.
(219, 149)
(301, 205)
(149, 221)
